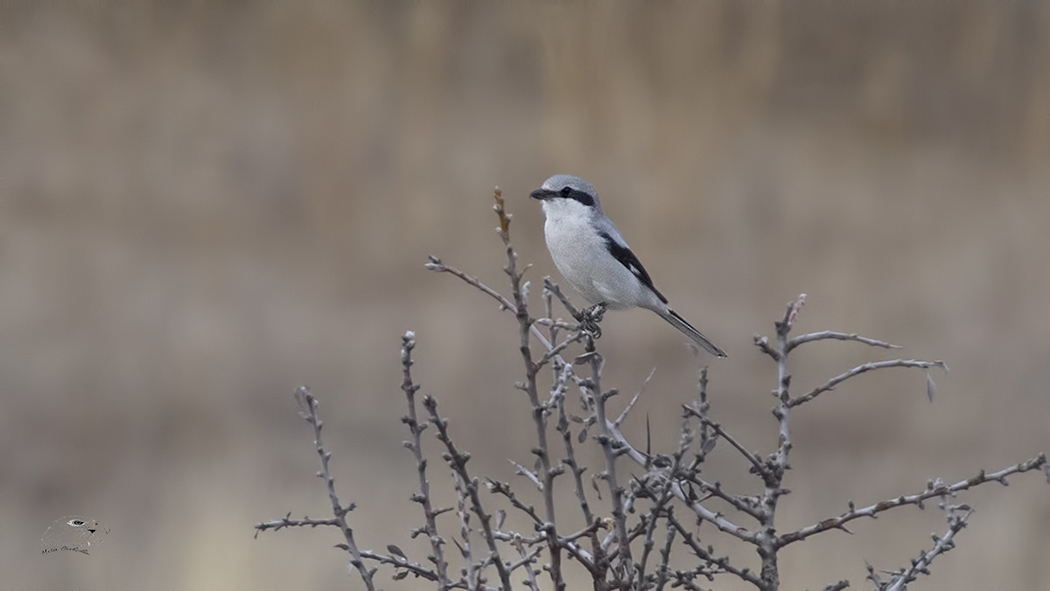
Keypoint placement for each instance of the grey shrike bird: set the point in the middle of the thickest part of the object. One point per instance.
(595, 259)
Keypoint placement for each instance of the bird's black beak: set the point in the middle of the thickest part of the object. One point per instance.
(540, 194)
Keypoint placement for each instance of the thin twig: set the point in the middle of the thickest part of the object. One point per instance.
(956, 523)
(287, 521)
(625, 448)
(556, 324)
(606, 440)
(308, 410)
(469, 570)
(665, 556)
(685, 439)
(527, 558)
(555, 351)
(523, 471)
(502, 488)
(711, 560)
(401, 562)
(864, 368)
(839, 336)
(416, 429)
(576, 470)
(554, 289)
(932, 490)
(756, 463)
(457, 460)
(437, 266)
(715, 490)
(703, 407)
(763, 345)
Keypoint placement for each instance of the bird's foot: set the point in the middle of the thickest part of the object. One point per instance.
(589, 319)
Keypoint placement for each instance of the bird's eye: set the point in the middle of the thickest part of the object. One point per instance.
(76, 522)
(566, 191)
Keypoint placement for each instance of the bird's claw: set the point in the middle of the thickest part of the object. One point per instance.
(589, 319)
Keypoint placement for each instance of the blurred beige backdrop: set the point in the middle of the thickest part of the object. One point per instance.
(206, 206)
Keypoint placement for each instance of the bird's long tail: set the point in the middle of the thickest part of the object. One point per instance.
(680, 323)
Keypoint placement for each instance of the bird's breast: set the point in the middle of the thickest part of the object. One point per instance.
(578, 253)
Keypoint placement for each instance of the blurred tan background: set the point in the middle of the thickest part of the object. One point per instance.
(206, 206)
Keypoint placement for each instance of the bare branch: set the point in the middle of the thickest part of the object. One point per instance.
(457, 460)
(437, 266)
(403, 563)
(756, 463)
(956, 523)
(470, 571)
(554, 289)
(714, 518)
(664, 496)
(624, 447)
(856, 371)
(839, 336)
(710, 559)
(416, 429)
(502, 488)
(583, 532)
(287, 521)
(556, 324)
(523, 471)
(567, 543)
(308, 410)
(665, 557)
(527, 558)
(577, 471)
(932, 490)
(763, 345)
(703, 408)
(715, 490)
(555, 352)
(606, 440)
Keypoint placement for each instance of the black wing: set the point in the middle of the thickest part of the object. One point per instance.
(627, 259)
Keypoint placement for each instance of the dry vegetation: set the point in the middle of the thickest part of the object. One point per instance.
(670, 497)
